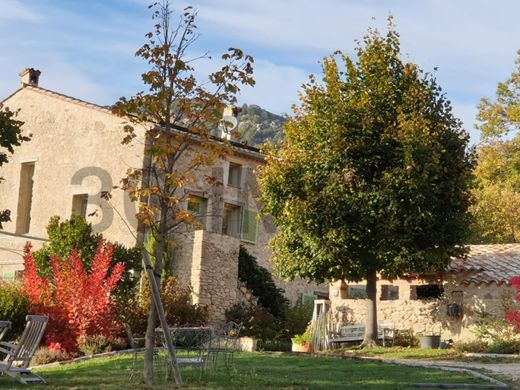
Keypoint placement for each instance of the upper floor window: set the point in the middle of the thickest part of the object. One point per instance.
(79, 205)
(25, 194)
(234, 174)
(231, 220)
(198, 207)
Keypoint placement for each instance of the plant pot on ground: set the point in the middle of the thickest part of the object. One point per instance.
(431, 341)
(303, 342)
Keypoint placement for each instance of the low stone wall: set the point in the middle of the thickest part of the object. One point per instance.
(426, 316)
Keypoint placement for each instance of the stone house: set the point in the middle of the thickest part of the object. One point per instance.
(448, 302)
(76, 154)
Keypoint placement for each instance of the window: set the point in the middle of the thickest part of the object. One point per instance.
(249, 224)
(426, 291)
(234, 174)
(357, 292)
(7, 275)
(23, 215)
(308, 298)
(198, 207)
(389, 292)
(79, 205)
(231, 221)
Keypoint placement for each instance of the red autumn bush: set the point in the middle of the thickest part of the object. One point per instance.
(512, 314)
(79, 304)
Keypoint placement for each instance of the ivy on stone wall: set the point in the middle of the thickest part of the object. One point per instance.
(260, 281)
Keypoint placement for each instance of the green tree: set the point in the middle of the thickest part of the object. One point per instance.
(373, 175)
(10, 136)
(177, 112)
(496, 212)
(501, 116)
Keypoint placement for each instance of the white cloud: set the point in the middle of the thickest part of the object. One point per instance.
(15, 10)
(276, 86)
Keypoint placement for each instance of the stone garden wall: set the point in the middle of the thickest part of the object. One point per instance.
(428, 315)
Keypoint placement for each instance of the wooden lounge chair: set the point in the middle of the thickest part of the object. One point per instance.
(16, 363)
(4, 327)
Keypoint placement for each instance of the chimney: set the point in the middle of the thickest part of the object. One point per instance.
(229, 121)
(30, 76)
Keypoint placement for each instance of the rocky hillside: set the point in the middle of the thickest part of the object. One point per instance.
(257, 125)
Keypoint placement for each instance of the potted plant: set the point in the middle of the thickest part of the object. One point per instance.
(303, 342)
(430, 340)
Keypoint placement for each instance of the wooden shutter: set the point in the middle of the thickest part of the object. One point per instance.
(249, 223)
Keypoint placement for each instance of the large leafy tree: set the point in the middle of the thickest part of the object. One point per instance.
(373, 176)
(497, 208)
(178, 113)
(10, 136)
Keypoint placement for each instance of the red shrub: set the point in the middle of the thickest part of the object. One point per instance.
(78, 303)
(513, 315)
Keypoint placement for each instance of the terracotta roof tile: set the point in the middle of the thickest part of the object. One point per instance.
(496, 263)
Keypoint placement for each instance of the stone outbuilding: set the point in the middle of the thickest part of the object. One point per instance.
(447, 303)
(75, 155)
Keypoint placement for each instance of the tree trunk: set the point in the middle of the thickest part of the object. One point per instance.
(371, 321)
(149, 346)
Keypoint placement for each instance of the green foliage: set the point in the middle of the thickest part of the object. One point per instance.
(77, 234)
(92, 345)
(373, 173)
(256, 321)
(14, 306)
(296, 318)
(305, 337)
(474, 346)
(260, 281)
(10, 136)
(495, 331)
(496, 213)
(405, 338)
(178, 307)
(502, 116)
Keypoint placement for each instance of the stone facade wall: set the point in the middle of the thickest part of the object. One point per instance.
(212, 272)
(76, 148)
(425, 316)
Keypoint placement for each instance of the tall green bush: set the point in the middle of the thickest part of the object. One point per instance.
(14, 306)
(260, 281)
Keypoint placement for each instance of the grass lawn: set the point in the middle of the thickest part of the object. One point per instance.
(252, 371)
(417, 354)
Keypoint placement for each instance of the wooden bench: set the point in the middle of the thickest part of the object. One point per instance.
(349, 333)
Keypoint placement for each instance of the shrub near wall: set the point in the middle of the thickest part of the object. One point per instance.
(14, 306)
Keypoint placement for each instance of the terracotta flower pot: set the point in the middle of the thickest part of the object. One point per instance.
(306, 348)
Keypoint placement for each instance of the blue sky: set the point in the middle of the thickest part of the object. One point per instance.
(86, 48)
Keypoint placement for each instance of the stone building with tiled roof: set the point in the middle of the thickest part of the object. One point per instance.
(75, 154)
(447, 303)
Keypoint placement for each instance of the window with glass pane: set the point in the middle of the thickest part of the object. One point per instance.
(234, 174)
(231, 220)
(197, 206)
(357, 292)
(389, 292)
(25, 194)
(79, 205)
